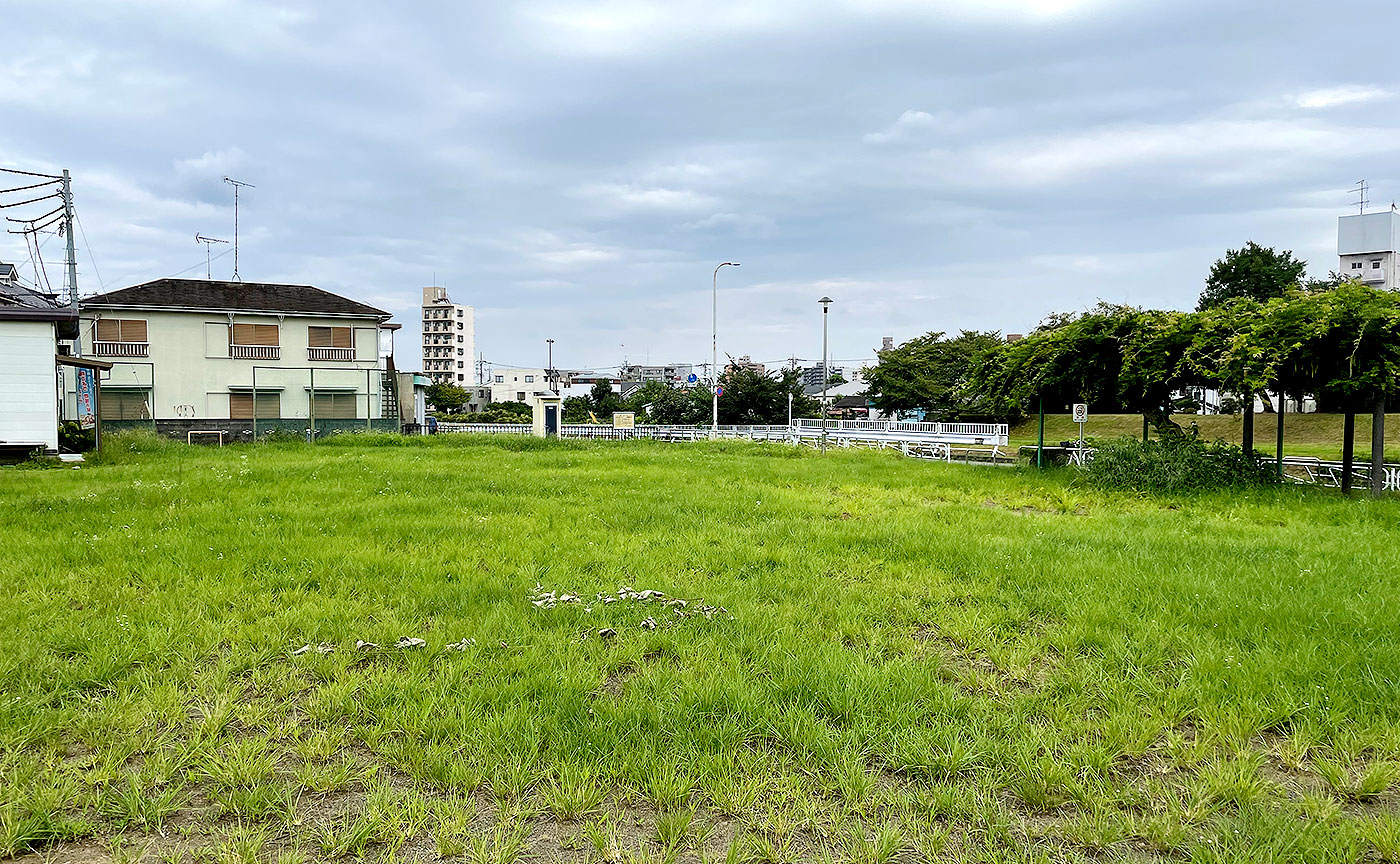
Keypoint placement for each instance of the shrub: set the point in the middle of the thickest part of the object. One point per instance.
(1176, 464)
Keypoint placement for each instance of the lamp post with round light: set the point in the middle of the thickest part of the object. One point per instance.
(714, 348)
(826, 307)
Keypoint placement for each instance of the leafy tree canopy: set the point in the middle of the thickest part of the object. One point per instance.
(448, 398)
(929, 373)
(1253, 271)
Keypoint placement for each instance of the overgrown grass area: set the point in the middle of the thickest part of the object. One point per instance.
(1318, 435)
(878, 659)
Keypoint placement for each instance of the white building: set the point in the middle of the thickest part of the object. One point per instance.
(31, 325)
(449, 339)
(1366, 248)
(194, 349)
(509, 385)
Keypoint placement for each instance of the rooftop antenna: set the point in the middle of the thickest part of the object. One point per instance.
(207, 241)
(236, 184)
(1360, 192)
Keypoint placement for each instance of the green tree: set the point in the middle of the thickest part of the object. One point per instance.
(448, 398)
(576, 409)
(929, 373)
(1253, 271)
(605, 402)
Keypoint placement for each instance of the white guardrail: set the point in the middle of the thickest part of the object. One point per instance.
(943, 441)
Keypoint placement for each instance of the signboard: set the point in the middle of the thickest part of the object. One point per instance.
(692, 379)
(719, 391)
(1081, 415)
(87, 398)
(624, 419)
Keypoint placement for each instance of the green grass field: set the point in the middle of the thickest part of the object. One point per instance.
(879, 659)
(1317, 435)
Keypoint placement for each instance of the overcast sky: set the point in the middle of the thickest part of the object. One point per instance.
(576, 169)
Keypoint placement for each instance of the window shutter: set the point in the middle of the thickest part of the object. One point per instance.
(109, 330)
(318, 337)
(341, 337)
(133, 330)
(255, 334)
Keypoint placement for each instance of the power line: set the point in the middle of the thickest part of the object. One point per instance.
(88, 246)
(30, 173)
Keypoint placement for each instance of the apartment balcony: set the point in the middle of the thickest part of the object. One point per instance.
(330, 353)
(255, 352)
(121, 349)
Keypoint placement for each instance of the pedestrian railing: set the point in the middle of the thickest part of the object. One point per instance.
(1324, 472)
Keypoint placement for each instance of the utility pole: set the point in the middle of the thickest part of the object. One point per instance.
(68, 229)
(236, 184)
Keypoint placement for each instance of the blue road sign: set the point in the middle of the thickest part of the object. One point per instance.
(692, 379)
(719, 391)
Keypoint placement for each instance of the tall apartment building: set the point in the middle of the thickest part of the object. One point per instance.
(449, 339)
(812, 375)
(1367, 245)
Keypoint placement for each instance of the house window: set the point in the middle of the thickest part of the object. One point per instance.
(529, 379)
(240, 406)
(334, 406)
(1356, 265)
(126, 405)
(461, 377)
(459, 325)
(520, 397)
(120, 337)
(1375, 265)
(459, 364)
(500, 379)
(459, 313)
(254, 342)
(329, 337)
(459, 338)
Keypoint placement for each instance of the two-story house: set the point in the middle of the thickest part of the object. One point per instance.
(196, 350)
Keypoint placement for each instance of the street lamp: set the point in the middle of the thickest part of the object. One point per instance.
(553, 379)
(826, 307)
(714, 347)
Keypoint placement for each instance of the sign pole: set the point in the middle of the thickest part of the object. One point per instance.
(1040, 439)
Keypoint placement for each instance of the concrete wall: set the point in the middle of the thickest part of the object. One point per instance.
(190, 373)
(28, 384)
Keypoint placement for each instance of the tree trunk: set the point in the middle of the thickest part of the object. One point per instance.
(1378, 446)
(1348, 449)
(1247, 436)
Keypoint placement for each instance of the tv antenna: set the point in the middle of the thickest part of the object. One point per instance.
(208, 261)
(236, 184)
(1360, 191)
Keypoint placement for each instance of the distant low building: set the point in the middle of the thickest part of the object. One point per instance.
(743, 362)
(670, 373)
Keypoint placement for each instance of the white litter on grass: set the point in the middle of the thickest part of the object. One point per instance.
(407, 642)
(461, 646)
(323, 648)
(361, 645)
(649, 624)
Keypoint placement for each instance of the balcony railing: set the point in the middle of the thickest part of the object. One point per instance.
(121, 349)
(330, 353)
(255, 352)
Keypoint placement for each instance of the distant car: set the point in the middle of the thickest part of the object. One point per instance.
(432, 426)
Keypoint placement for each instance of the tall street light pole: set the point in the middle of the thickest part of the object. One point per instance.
(553, 379)
(826, 307)
(714, 347)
